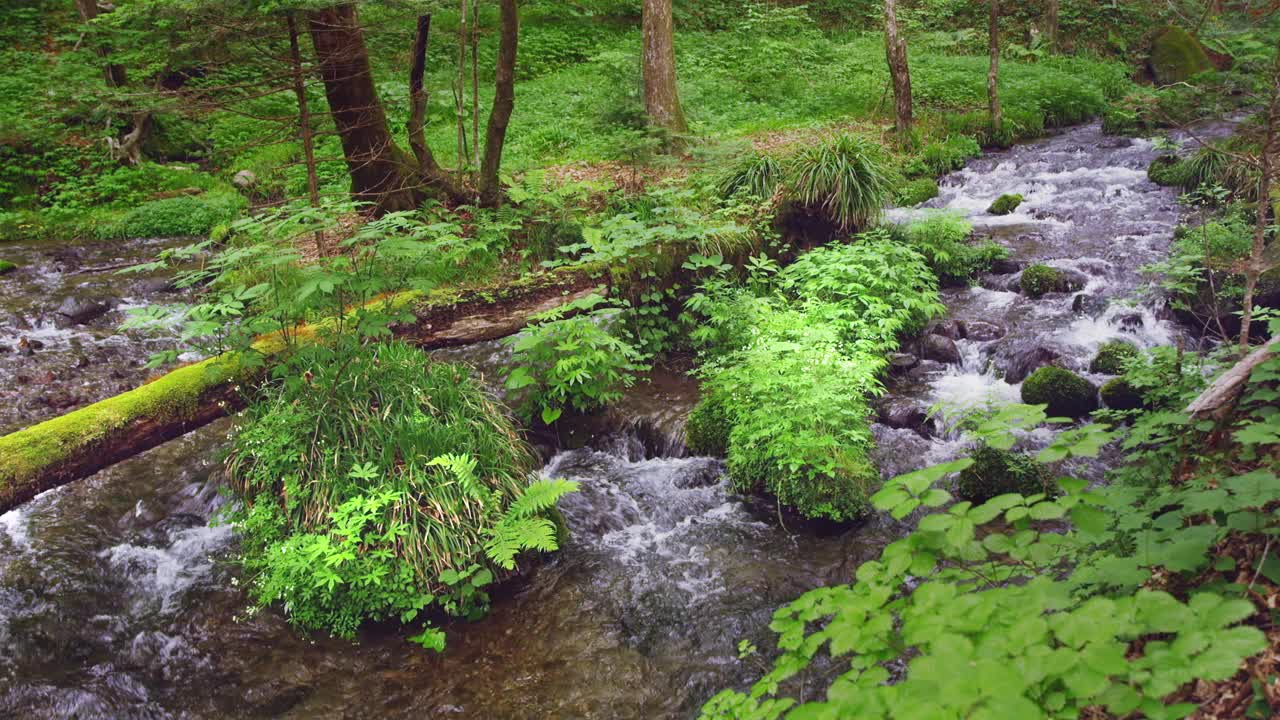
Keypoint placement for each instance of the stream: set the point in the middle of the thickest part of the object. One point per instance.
(116, 600)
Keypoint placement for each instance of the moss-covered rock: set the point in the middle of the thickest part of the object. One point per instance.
(914, 192)
(1112, 356)
(1040, 279)
(706, 432)
(1168, 171)
(1065, 393)
(1005, 204)
(1176, 56)
(998, 472)
(1118, 394)
(7, 267)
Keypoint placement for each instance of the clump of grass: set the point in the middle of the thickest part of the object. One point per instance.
(848, 178)
(756, 175)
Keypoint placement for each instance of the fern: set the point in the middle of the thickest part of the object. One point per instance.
(520, 529)
(539, 497)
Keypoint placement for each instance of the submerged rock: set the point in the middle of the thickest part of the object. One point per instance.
(1005, 204)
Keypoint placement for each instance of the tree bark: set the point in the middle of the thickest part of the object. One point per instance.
(1256, 263)
(661, 94)
(996, 120)
(381, 173)
(504, 99)
(896, 54)
(418, 98)
(80, 443)
(114, 74)
(1051, 26)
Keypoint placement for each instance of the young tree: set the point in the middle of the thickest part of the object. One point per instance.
(896, 53)
(661, 96)
(1051, 25)
(1265, 162)
(996, 121)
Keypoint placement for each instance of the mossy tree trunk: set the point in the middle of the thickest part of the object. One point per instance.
(896, 53)
(661, 94)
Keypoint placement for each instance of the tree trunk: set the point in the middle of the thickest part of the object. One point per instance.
(114, 74)
(381, 173)
(996, 120)
(304, 123)
(1051, 26)
(504, 100)
(1256, 264)
(661, 95)
(896, 53)
(84, 441)
(418, 97)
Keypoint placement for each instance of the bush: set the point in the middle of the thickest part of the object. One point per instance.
(1112, 357)
(914, 192)
(354, 507)
(175, 217)
(1040, 279)
(706, 432)
(1119, 394)
(940, 158)
(847, 178)
(997, 472)
(570, 363)
(1065, 393)
(1005, 204)
(1168, 171)
(943, 239)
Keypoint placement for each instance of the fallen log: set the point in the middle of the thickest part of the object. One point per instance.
(84, 441)
(1220, 397)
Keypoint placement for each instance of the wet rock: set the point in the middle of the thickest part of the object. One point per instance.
(1086, 304)
(27, 346)
(1026, 362)
(79, 311)
(1130, 321)
(953, 329)
(901, 362)
(902, 413)
(1005, 266)
(925, 368)
(697, 475)
(982, 331)
(939, 348)
(157, 286)
(45, 378)
(19, 321)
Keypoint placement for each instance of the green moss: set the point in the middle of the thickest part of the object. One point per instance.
(1118, 394)
(1065, 393)
(1168, 171)
(1112, 356)
(1040, 279)
(1176, 56)
(7, 267)
(706, 431)
(1005, 204)
(916, 191)
(998, 472)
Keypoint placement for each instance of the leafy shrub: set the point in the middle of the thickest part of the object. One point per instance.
(940, 158)
(914, 192)
(1065, 393)
(943, 239)
(997, 472)
(355, 507)
(1168, 171)
(1040, 279)
(706, 431)
(1005, 204)
(1112, 357)
(571, 362)
(848, 178)
(1119, 394)
(175, 217)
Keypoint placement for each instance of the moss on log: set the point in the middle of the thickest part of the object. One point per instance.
(87, 440)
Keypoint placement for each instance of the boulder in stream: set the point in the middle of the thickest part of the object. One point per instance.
(940, 348)
(80, 311)
(7, 267)
(1065, 393)
(905, 413)
(1027, 361)
(982, 331)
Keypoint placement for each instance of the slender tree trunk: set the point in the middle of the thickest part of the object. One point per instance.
(1051, 25)
(114, 74)
(418, 97)
(460, 95)
(896, 53)
(475, 83)
(1257, 254)
(381, 173)
(993, 71)
(661, 95)
(304, 123)
(504, 100)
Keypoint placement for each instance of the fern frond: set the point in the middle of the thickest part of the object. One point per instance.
(539, 497)
(513, 536)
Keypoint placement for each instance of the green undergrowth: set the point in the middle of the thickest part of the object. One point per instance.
(378, 484)
(790, 361)
(1133, 598)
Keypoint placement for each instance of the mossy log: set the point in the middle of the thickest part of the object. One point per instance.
(84, 441)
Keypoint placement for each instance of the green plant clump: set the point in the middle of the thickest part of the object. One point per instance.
(943, 238)
(939, 158)
(1065, 393)
(1040, 279)
(706, 431)
(1005, 204)
(1112, 357)
(7, 267)
(914, 192)
(1119, 394)
(377, 483)
(1176, 56)
(997, 472)
(176, 217)
(848, 178)
(1168, 171)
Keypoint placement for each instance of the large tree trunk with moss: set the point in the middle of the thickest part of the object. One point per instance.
(84, 441)
(661, 95)
(896, 53)
(381, 173)
(504, 101)
(995, 118)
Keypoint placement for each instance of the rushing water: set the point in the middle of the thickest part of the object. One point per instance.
(116, 600)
